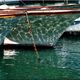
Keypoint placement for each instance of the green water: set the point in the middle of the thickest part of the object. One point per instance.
(60, 63)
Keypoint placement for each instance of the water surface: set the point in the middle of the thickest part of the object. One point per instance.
(61, 62)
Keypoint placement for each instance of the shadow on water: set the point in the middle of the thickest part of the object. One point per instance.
(1, 64)
(1, 52)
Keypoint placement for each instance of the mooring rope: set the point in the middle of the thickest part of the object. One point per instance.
(30, 32)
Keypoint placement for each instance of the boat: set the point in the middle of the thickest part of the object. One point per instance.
(73, 29)
(8, 42)
(36, 25)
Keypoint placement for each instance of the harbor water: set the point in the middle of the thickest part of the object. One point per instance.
(58, 63)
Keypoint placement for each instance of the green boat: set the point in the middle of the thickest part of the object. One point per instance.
(41, 25)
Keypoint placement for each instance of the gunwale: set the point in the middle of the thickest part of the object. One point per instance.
(38, 10)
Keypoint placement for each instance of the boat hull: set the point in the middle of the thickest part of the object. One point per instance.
(42, 30)
(39, 26)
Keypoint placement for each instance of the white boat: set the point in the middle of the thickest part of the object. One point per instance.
(8, 41)
(75, 27)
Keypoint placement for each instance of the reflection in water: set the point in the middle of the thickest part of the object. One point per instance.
(62, 62)
(69, 53)
(9, 54)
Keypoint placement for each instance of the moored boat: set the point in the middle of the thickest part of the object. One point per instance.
(41, 25)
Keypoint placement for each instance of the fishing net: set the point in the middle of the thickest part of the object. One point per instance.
(45, 30)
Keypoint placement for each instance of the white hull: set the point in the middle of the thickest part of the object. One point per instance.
(8, 41)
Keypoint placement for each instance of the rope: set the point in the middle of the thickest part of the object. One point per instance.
(30, 32)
